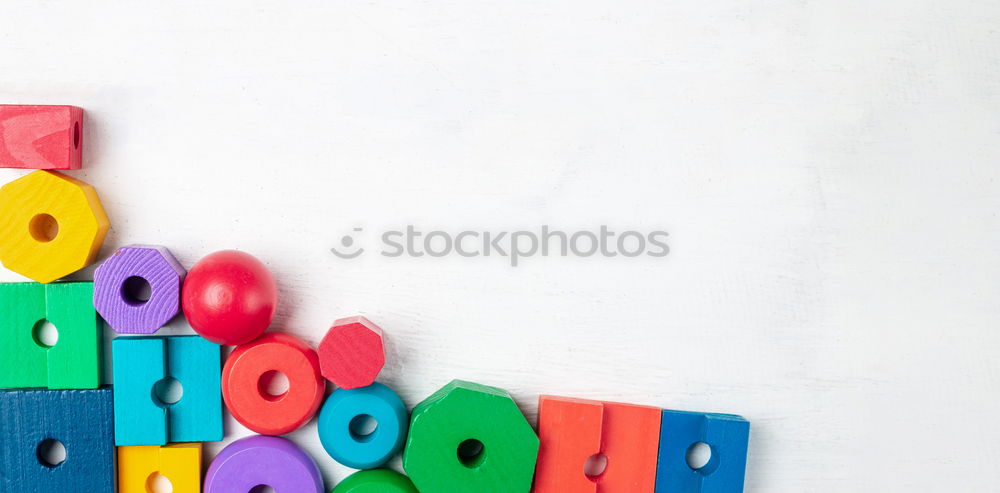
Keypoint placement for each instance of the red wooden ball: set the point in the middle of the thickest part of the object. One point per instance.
(229, 297)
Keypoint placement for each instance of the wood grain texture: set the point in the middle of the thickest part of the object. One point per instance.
(463, 411)
(122, 310)
(75, 361)
(26, 247)
(572, 430)
(827, 172)
(80, 419)
(351, 353)
(41, 136)
(252, 461)
(728, 437)
(251, 405)
(141, 417)
(180, 463)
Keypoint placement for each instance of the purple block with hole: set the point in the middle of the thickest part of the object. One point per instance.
(263, 460)
(117, 280)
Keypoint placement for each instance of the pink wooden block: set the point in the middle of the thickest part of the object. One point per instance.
(40, 137)
(352, 353)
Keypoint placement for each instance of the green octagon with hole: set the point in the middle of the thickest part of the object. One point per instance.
(461, 414)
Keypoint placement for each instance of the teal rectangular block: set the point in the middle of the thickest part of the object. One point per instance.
(196, 363)
(74, 361)
(142, 417)
(137, 364)
(726, 435)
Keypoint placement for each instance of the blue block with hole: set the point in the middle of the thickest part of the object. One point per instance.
(346, 410)
(150, 374)
(35, 423)
(726, 435)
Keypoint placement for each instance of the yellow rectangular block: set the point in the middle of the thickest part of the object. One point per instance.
(180, 463)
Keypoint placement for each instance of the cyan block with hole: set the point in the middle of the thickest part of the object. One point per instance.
(79, 419)
(726, 435)
(141, 417)
(363, 451)
(74, 361)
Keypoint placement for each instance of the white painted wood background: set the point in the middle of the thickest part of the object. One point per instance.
(827, 171)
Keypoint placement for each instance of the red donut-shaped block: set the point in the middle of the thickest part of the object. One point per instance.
(243, 386)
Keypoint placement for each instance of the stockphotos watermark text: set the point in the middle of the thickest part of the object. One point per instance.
(514, 245)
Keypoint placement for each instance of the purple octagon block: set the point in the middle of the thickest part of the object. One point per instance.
(263, 460)
(119, 276)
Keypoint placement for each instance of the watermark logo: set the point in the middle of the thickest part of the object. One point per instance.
(512, 245)
(347, 248)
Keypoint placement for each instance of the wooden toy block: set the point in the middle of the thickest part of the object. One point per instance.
(81, 420)
(180, 463)
(347, 445)
(351, 354)
(229, 297)
(263, 460)
(41, 136)
(249, 402)
(727, 437)
(141, 416)
(51, 225)
(376, 481)
(470, 437)
(120, 307)
(573, 430)
(74, 361)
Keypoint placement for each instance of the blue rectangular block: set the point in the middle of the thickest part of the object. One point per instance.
(81, 420)
(141, 415)
(726, 435)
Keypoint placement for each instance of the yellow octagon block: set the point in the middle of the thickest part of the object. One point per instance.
(180, 463)
(51, 225)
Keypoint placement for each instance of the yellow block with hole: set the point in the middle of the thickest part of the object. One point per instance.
(51, 225)
(140, 468)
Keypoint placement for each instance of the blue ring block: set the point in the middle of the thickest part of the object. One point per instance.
(140, 417)
(80, 419)
(728, 437)
(369, 451)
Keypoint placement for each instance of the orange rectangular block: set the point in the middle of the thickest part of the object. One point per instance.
(623, 438)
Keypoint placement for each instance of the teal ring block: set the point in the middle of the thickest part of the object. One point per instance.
(80, 419)
(140, 417)
(728, 437)
(367, 451)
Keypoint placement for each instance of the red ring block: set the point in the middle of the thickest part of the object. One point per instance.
(256, 409)
(41, 137)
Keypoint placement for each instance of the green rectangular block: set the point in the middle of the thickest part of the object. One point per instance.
(74, 361)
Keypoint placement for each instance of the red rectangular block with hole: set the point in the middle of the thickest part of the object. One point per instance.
(572, 431)
(41, 136)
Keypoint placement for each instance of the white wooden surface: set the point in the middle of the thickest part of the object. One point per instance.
(827, 171)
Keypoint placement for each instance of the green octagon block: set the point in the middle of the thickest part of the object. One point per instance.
(470, 437)
(74, 361)
(375, 481)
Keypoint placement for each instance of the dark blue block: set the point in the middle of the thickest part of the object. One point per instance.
(82, 420)
(727, 435)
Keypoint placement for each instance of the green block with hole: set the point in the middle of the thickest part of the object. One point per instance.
(375, 481)
(74, 361)
(470, 437)
(145, 368)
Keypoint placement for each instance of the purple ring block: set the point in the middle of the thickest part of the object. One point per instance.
(263, 460)
(127, 315)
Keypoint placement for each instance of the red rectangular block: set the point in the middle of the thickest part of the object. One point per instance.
(41, 136)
